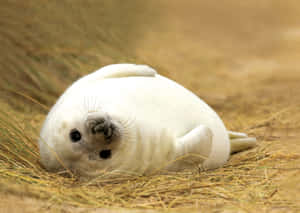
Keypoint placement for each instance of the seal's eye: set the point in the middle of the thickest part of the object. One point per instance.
(75, 135)
(106, 153)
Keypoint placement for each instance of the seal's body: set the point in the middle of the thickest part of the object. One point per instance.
(127, 118)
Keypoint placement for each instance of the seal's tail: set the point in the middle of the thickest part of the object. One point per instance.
(240, 141)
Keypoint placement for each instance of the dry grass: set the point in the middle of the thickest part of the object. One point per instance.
(242, 58)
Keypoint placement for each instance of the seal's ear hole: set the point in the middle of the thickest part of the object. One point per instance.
(105, 154)
(75, 135)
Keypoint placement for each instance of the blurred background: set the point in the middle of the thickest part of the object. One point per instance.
(45, 46)
(242, 57)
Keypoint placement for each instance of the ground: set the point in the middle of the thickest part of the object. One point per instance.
(242, 58)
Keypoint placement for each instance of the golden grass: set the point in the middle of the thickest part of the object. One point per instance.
(21, 174)
(251, 78)
(246, 180)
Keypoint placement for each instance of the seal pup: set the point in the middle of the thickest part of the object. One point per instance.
(126, 118)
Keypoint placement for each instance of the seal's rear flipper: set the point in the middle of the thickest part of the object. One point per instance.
(124, 70)
(110, 71)
(240, 141)
(195, 145)
(115, 71)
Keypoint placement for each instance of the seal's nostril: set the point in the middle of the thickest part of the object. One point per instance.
(97, 126)
(94, 129)
(105, 153)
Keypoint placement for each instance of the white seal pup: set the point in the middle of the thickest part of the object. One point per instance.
(127, 118)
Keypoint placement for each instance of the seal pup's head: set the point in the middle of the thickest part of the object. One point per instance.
(79, 137)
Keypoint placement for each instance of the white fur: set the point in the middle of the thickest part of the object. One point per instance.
(159, 120)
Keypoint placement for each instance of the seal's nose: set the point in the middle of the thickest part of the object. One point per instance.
(95, 125)
(102, 127)
(98, 124)
(94, 122)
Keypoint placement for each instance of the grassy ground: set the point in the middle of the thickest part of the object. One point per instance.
(240, 57)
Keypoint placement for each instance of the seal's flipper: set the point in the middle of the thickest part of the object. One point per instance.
(240, 141)
(113, 71)
(197, 143)
(124, 70)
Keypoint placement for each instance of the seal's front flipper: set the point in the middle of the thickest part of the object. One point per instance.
(124, 70)
(240, 141)
(196, 145)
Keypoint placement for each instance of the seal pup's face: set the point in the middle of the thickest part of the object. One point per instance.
(83, 142)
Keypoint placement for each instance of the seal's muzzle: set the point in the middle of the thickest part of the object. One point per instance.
(99, 125)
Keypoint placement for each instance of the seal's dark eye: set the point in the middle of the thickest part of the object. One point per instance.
(105, 153)
(75, 135)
